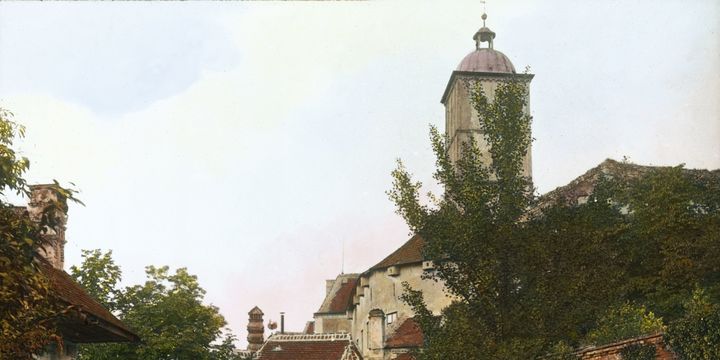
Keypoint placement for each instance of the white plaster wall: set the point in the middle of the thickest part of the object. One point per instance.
(332, 323)
(384, 293)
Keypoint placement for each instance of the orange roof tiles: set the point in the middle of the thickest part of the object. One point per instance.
(343, 297)
(315, 347)
(73, 294)
(407, 335)
(339, 298)
(410, 252)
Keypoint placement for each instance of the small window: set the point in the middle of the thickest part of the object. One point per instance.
(391, 317)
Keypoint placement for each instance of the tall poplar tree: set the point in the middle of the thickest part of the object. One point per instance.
(473, 233)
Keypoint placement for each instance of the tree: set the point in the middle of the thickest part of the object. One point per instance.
(624, 322)
(530, 273)
(672, 238)
(474, 232)
(167, 312)
(99, 276)
(28, 308)
(696, 336)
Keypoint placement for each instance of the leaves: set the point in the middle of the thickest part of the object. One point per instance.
(528, 274)
(167, 312)
(28, 308)
(624, 322)
(696, 336)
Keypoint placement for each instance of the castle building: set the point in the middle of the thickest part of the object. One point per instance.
(365, 311)
(368, 305)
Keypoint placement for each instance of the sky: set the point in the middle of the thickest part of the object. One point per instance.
(252, 142)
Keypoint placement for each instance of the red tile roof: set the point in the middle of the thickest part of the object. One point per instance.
(310, 347)
(410, 252)
(407, 335)
(339, 299)
(111, 330)
(343, 297)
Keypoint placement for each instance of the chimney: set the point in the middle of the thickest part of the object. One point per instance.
(328, 286)
(376, 329)
(256, 329)
(49, 206)
(282, 322)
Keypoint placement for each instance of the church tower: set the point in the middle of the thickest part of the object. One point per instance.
(487, 67)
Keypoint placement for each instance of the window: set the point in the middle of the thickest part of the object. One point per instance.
(391, 317)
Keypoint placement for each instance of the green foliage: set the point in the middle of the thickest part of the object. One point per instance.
(527, 273)
(624, 322)
(167, 312)
(572, 265)
(99, 276)
(696, 336)
(28, 308)
(561, 351)
(12, 167)
(473, 235)
(638, 352)
(673, 238)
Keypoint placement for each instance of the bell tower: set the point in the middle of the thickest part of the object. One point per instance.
(487, 67)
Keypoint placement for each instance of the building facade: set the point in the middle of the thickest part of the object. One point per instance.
(368, 306)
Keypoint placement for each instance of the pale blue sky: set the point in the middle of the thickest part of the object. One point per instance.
(247, 141)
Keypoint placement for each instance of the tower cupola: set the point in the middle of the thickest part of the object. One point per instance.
(487, 68)
(484, 35)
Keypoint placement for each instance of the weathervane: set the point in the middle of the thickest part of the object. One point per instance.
(484, 15)
(484, 34)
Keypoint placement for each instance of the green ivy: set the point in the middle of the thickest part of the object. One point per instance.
(638, 352)
(696, 336)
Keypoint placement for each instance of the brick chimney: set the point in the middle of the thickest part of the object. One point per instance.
(256, 329)
(45, 200)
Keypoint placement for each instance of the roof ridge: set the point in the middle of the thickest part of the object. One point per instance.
(310, 337)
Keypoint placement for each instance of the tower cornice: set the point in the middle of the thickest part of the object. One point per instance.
(486, 75)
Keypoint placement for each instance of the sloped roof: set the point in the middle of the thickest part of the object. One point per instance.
(315, 347)
(108, 328)
(255, 311)
(585, 184)
(339, 299)
(407, 335)
(410, 252)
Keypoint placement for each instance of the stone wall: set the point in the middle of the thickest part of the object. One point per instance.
(612, 351)
(462, 120)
